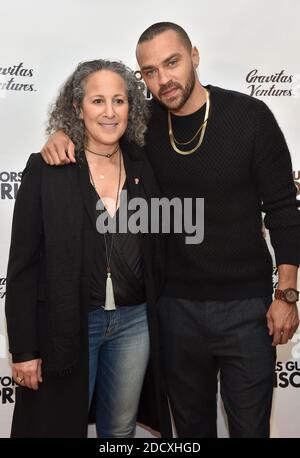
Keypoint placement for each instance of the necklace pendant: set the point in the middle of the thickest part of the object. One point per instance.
(108, 155)
(109, 297)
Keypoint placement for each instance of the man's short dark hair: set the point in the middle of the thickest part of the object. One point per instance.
(160, 27)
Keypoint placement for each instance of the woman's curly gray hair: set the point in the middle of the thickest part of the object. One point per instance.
(64, 113)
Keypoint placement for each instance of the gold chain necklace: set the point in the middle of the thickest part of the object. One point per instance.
(200, 131)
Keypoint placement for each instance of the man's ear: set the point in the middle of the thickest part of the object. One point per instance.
(195, 57)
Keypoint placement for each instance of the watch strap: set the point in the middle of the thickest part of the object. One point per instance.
(279, 294)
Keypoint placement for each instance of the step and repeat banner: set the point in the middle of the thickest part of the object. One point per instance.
(245, 45)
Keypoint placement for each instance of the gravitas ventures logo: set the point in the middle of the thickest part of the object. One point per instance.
(278, 84)
(16, 78)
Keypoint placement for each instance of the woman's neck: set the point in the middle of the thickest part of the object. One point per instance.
(102, 154)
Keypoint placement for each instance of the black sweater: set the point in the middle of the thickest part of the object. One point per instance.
(242, 168)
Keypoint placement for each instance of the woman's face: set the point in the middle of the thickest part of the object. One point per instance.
(104, 109)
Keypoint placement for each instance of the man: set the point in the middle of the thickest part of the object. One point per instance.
(216, 311)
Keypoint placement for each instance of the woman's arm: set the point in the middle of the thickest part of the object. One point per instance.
(24, 262)
(28, 373)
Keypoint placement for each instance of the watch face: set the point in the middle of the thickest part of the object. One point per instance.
(291, 296)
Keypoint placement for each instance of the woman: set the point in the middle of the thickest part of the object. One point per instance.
(76, 301)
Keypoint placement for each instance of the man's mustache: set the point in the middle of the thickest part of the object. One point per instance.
(167, 87)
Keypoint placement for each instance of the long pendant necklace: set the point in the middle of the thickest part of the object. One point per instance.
(200, 131)
(109, 296)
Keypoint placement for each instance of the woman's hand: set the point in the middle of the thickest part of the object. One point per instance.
(28, 373)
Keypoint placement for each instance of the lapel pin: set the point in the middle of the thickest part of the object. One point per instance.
(136, 180)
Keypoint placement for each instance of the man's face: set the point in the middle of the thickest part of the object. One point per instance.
(168, 68)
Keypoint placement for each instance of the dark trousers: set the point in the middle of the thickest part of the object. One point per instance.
(201, 339)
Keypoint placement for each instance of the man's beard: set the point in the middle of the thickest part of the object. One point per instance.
(176, 104)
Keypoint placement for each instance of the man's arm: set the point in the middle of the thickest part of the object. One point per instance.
(272, 169)
(283, 318)
(59, 149)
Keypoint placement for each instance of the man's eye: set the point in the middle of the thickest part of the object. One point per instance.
(172, 62)
(149, 72)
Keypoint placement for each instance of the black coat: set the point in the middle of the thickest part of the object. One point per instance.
(48, 292)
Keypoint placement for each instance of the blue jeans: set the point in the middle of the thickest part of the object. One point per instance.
(118, 358)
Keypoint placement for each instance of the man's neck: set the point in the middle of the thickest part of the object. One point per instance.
(196, 100)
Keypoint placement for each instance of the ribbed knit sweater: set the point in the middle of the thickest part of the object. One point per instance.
(242, 168)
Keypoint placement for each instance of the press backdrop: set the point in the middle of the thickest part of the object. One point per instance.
(247, 45)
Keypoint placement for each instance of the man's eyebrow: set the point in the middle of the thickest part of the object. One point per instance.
(172, 56)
